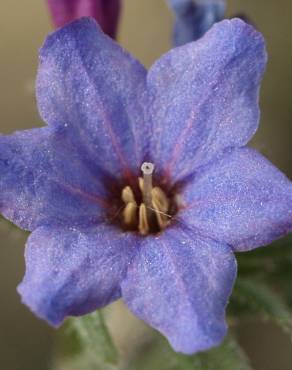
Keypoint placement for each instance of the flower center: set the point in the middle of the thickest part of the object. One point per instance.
(155, 210)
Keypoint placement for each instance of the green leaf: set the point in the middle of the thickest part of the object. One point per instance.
(93, 334)
(274, 260)
(271, 264)
(159, 356)
(250, 296)
(228, 356)
(88, 345)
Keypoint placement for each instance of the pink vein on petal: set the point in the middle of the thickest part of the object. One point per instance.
(179, 144)
(90, 197)
(126, 170)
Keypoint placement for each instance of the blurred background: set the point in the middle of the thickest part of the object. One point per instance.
(26, 343)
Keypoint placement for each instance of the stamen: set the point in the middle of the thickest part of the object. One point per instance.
(161, 219)
(141, 184)
(160, 199)
(143, 220)
(161, 206)
(128, 195)
(129, 214)
(147, 168)
(152, 213)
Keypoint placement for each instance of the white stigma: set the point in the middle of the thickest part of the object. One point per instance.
(147, 168)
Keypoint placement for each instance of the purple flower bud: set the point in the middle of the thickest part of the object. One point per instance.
(105, 12)
(194, 17)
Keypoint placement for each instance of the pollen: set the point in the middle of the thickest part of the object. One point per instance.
(149, 210)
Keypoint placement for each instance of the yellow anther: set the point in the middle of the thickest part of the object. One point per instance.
(143, 220)
(128, 195)
(162, 218)
(160, 199)
(129, 214)
(141, 184)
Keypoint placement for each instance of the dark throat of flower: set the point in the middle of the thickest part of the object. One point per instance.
(154, 213)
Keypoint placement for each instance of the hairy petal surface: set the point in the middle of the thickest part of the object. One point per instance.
(45, 180)
(88, 83)
(74, 271)
(205, 97)
(179, 283)
(106, 12)
(240, 199)
(195, 17)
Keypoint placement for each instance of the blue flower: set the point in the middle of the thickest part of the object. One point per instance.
(195, 17)
(161, 236)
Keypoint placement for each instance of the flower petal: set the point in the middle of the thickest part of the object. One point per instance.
(87, 82)
(179, 283)
(74, 271)
(45, 180)
(240, 199)
(205, 97)
(106, 12)
(194, 18)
